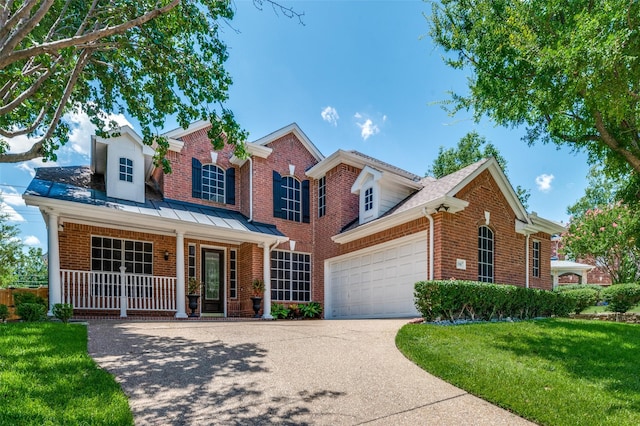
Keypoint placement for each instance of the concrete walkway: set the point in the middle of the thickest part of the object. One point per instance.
(278, 372)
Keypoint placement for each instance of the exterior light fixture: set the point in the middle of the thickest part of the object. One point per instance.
(166, 255)
(442, 208)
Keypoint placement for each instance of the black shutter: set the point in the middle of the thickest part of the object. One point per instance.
(277, 194)
(305, 201)
(196, 178)
(230, 186)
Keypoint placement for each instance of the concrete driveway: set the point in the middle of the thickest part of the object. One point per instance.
(278, 372)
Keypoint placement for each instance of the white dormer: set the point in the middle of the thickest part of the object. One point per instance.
(367, 186)
(124, 161)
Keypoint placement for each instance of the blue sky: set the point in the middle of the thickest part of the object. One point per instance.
(360, 75)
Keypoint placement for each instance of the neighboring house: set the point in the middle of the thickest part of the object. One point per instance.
(565, 271)
(349, 231)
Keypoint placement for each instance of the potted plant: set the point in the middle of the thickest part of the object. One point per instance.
(257, 285)
(194, 287)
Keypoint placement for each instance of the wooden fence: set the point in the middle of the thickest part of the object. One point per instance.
(6, 297)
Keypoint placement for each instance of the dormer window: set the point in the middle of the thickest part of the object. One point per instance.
(212, 183)
(367, 187)
(368, 199)
(126, 169)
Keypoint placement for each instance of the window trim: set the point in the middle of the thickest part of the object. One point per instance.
(286, 280)
(322, 196)
(535, 254)
(233, 273)
(125, 175)
(486, 264)
(213, 187)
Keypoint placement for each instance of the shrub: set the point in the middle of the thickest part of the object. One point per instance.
(593, 287)
(582, 297)
(63, 311)
(311, 310)
(31, 311)
(21, 297)
(279, 311)
(621, 297)
(4, 313)
(454, 300)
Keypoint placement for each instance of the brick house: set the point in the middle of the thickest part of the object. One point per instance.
(347, 230)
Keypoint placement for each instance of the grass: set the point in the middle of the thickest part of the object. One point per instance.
(47, 378)
(553, 371)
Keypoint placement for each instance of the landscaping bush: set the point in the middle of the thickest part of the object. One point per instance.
(21, 297)
(453, 300)
(4, 313)
(621, 297)
(583, 297)
(279, 311)
(31, 311)
(63, 311)
(310, 310)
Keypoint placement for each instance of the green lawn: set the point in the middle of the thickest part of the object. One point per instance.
(553, 371)
(47, 378)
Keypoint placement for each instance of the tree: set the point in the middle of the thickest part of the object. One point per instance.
(467, 152)
(608, 236)
(150, 58)
(569, 71)
(32, 268)
(10, 249)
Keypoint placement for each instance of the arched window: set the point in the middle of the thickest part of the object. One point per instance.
(212, 183)
(291, 206)
(485, 254)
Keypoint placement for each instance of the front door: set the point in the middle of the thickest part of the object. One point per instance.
(213, 281)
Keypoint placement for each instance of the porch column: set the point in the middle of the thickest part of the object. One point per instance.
(585, 277)
(554, 275)
(124, 296)
(266, 309)
(180, 296)
(55, 284)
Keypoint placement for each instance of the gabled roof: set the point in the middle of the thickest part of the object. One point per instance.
(72, 191)
(360, 160)
(442, 192)
(297, 131)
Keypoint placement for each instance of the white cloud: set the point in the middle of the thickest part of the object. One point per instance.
(544, 182)
(79, 136)
(330, 115)
(368, 129)
(31, 240)
(358, 115)
(11, 198)
(30, 166)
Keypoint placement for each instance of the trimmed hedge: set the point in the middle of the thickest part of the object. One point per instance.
(621, 297)
(453, 300)
(583, 296)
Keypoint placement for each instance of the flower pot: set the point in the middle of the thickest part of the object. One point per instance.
(193, 304)
(256, 305)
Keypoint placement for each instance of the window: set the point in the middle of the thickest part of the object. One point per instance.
(126, 169)
(322, 197)
(485, 254)
(368, 199)
(108, 254)
(192, 261)
(290, 276)
(233, 274)
(212, 183)
(536, 259)
(290, 198)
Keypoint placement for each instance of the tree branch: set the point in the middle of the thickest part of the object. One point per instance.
(9, 44)
(26, 130)
(30, 91)
(612, 143)
(95, 35)
(7, 25)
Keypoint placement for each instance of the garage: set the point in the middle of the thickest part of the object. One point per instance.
(376, 282)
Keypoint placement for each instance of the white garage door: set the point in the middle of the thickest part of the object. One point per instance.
(376, 282)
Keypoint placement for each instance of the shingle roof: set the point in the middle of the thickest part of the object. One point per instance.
(398, 170)
(78, 185)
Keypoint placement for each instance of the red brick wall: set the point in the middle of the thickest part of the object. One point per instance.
(177, 185)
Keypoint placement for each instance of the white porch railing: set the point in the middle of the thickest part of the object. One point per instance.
(103, 290)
